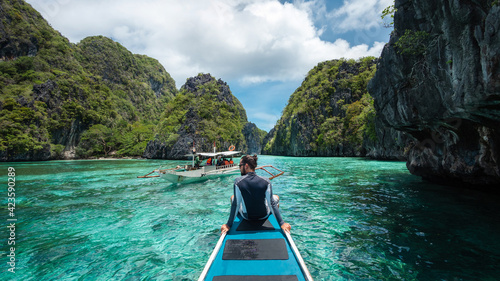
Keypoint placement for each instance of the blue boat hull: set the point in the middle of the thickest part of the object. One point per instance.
(258, 253)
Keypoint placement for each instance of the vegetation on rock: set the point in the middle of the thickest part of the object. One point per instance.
(331, 113)
(438, 82)
(52, 91)
(389, 12)
(412, 42)
(203, 112)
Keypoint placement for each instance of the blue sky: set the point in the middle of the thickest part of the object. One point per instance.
(263, 49)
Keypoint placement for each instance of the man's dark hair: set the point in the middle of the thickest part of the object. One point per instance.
(250, 160)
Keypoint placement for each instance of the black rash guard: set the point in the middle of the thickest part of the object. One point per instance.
(253, 199)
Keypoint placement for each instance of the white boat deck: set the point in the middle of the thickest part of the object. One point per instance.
(188, 173)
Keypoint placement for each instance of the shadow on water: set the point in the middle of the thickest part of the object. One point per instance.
(429, 232)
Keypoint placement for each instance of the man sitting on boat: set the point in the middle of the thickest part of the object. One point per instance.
(253, 196)
(197, 162)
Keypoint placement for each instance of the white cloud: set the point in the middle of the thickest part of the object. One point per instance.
(250, 41)
(359, 14)
(266, 120)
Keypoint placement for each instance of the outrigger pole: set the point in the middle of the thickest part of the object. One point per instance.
(155, 176)
(273, 176)
(148, 175)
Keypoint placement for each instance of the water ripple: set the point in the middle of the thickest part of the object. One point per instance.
(352, 219)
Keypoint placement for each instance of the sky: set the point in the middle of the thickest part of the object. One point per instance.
(263, 49)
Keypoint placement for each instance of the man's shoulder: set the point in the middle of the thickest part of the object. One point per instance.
(264, 179)
(239, 179)
(255, 177)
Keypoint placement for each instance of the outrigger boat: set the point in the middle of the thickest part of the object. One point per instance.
(255, 251)
(192, 173)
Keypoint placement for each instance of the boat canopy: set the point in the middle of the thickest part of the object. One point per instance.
(209, 154)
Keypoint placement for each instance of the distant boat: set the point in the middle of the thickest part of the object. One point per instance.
(192, 173)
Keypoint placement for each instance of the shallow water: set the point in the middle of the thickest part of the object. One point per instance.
(352, 219)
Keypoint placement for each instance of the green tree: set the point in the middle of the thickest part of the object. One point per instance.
(99, 139)
(134, 138)
(412, 42)
(389, 12)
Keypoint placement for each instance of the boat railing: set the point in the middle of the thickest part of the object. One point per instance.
(225, 166)
(209, 168)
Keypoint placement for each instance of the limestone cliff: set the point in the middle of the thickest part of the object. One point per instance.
(52, 91)
(332, 114)
(203, 113)
(254, 138)
(438, 80)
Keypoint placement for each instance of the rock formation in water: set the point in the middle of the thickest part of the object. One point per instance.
(332, 114)
(438, 80)
(254, 138)
(203, 113)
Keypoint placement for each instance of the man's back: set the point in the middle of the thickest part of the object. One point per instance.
(255, 195)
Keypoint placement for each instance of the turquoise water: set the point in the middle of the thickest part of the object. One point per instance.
(352, 219)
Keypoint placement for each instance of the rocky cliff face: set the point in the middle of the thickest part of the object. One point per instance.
(118, 66)
(331, 114)
(22, 42)
(52, 91)
(389, 143)
(438, 80)
(253, 138)
(220, 88)
(205, 111)
(68, 136)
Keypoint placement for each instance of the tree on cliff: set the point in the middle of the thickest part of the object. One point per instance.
(98, 139)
